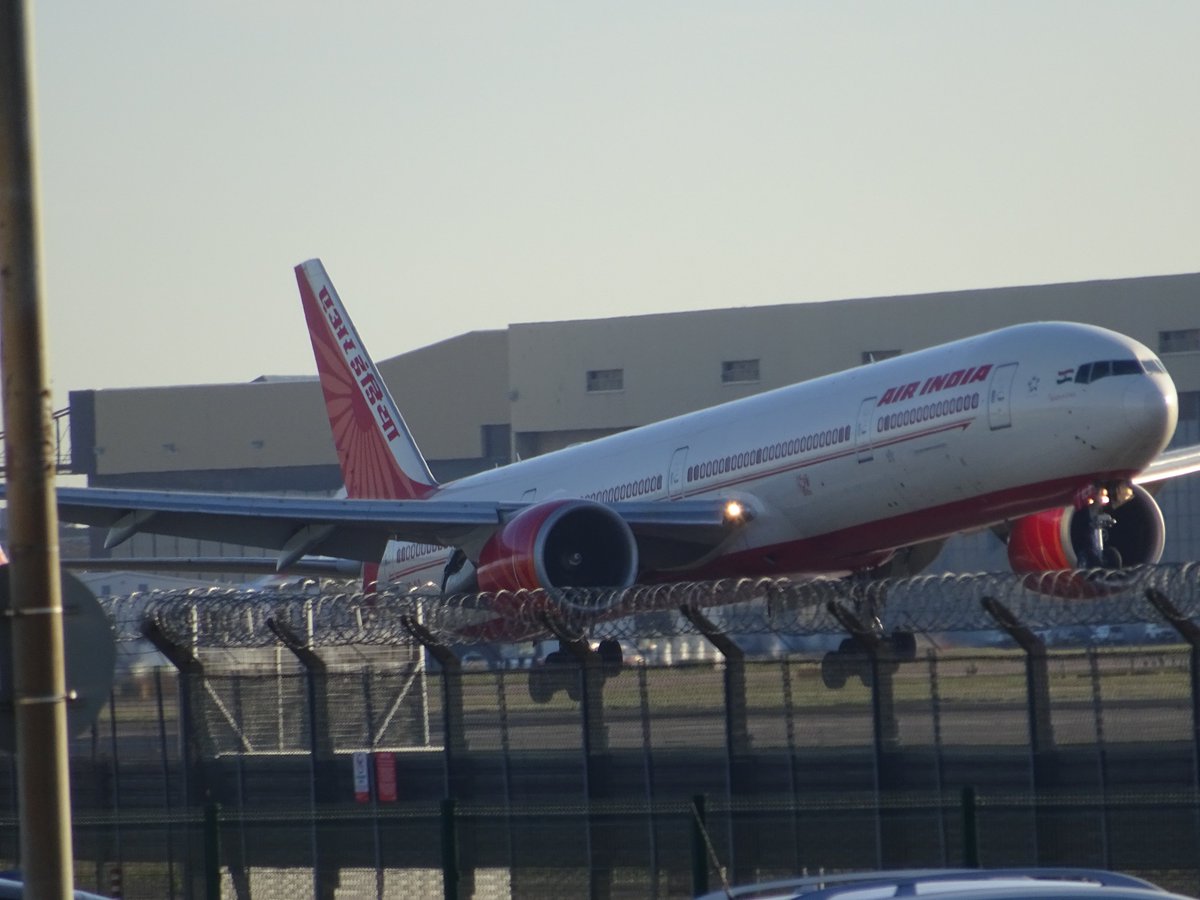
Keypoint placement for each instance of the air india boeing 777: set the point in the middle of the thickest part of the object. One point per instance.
(1047, 429)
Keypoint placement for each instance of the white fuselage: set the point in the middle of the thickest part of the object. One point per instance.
(842, 470)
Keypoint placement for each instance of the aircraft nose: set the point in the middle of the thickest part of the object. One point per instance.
(1151, 408)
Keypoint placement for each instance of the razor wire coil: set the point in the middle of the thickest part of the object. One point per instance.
(338, 615)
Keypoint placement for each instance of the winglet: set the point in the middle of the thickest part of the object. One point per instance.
(376, 451)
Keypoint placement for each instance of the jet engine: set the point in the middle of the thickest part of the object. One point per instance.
(558, 544)
(1065, 538)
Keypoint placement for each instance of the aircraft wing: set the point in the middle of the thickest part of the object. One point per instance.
(311, 566)
(352, 528)
(1172, 464)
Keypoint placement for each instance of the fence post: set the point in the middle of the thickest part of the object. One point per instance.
(212, 849)
(196, 744)
(166, 778)
(376, 840)
(1037, 673)
(449, 850)
(591, 701)
(326, 875)
(596, 764)
(891, 831)
(454, 741)
(699, 847)
(648, 774)
(882, 661)
(789, 718)
(970, 828)
(739, 767)
(939, 763)
(1101, 754)
(1190, 632)
(1042, 755)
(737, 734)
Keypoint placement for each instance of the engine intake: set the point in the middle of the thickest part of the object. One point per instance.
(560, 544)
(1062, 538)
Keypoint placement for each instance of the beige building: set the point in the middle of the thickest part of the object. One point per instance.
(476, 400)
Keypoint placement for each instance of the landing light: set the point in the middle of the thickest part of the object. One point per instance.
(734, 510)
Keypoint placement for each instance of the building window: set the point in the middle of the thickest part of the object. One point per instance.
(874, 356)
(496, 441)
(605, 380)
(739, 371)
(1179, 341)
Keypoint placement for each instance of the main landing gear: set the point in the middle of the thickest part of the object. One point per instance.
(563, 669)
(852, 658)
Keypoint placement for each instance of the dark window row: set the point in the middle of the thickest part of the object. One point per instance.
(629, 490)
(818, 440)
(1182, 341)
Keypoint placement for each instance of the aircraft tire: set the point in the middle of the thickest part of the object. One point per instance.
(611, 657)
(541, 686)
(904, 646)
(833, 670)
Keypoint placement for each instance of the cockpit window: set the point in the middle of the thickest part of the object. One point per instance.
(1094, 371)
(1153, 366)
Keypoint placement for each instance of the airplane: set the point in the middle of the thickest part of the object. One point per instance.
(1047, 431)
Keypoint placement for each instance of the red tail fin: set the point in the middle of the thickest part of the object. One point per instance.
(378, 456)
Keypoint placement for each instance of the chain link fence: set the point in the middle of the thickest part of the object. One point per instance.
(295, 743)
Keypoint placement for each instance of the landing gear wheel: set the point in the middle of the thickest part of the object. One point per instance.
(611, 657)
(541, 686)
(574, 689)
(904, 646)
(866, 673)
(833, 670)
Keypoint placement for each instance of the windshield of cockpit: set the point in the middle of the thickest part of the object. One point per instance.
(1094, 371)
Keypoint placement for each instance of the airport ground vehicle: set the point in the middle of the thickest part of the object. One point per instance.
(952, 884)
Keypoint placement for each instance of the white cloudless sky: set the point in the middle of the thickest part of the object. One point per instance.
(461, 166)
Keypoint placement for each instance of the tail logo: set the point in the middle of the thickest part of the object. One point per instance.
(378, 457)
(367, 383)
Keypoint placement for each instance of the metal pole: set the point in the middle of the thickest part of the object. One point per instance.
(369, 710)
(648, 774)
(1101, 753)
(939, 770)
(166, 779)
(970, 828)
(39, 682)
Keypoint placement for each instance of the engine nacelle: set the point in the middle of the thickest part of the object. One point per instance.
(1061, 538)
(566, 543)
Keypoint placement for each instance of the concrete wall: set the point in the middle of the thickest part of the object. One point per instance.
(672, 363)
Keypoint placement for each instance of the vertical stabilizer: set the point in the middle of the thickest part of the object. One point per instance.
(378, 455)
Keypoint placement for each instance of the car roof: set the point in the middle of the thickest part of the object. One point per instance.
(978, 884)
(11, 889)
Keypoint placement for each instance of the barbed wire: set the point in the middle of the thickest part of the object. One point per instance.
(334, 614)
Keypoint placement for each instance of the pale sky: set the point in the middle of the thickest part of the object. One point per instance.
(461, 166)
